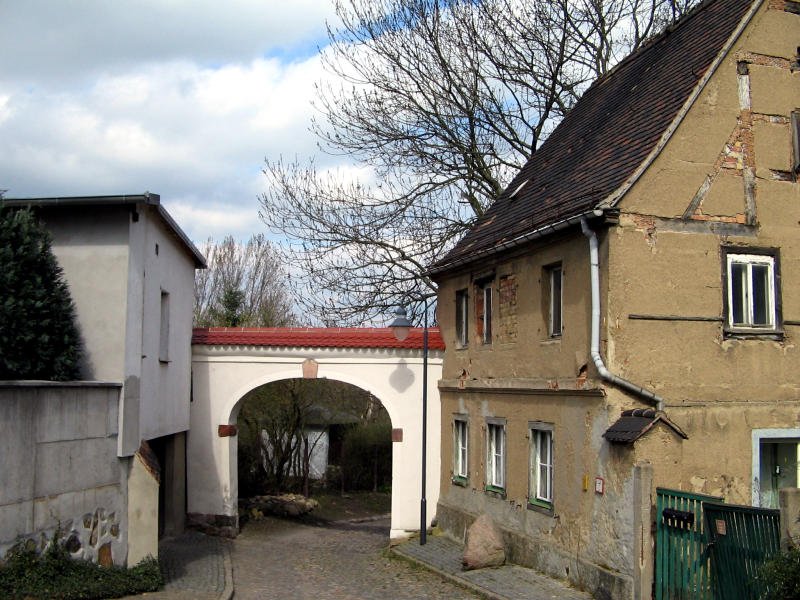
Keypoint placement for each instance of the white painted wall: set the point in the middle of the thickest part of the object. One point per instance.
(223, 375)
(165, 385)
(92, 249)
(109, 258)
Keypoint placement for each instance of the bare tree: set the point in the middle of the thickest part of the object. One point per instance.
(244, 285)
(442, 102)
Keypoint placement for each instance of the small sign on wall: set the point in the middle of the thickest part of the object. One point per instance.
(599, 485)
(397, 435)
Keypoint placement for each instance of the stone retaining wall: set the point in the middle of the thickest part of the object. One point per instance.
(60, 471)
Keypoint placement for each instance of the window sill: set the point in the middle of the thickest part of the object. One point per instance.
(545, 508)
(551, 341)
(495, 491)
(754, 334)
(459, 481)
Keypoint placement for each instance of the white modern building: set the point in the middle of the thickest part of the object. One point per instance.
(130, 270)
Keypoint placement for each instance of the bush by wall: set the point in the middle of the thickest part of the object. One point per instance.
(367, 457)
(54, 575)
(780, 577)
(39, 338)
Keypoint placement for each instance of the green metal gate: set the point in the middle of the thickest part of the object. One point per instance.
(741, 539)
(682, 566)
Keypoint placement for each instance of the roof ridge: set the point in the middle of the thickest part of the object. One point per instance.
(601, 146)
(652, 40)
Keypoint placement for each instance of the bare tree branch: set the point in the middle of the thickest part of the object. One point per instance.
(440, 102)
(249, 276)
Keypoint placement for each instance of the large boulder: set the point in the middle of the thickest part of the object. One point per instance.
(484, 546)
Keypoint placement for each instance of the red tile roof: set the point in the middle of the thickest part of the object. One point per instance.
(314, 337)
(606, 136)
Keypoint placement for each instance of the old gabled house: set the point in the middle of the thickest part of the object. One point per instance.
(625, 316)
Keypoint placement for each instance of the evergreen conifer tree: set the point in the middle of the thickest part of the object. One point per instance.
(39, 338)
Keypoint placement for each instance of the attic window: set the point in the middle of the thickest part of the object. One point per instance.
(517, 189)
(796, 140)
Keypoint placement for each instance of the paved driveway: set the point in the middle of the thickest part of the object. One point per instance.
(282, 559)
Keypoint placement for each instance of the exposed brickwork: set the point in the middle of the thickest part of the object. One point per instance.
(764, 60)
(609, 134)
(507, 309)
(738, 155)
(227, 430)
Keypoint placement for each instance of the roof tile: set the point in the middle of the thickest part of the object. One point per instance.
(315, 337)
(608, 134)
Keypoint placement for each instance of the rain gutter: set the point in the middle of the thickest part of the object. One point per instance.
(605, 374)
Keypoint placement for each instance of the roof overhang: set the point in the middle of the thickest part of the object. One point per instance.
(147, 198)
(521, 240)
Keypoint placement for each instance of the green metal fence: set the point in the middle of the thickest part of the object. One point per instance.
(682, 570)
(741, 539)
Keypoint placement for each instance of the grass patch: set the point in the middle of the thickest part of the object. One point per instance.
(54, 575)
(353, 505)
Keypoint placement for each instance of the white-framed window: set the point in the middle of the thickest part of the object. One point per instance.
(540, 480)
(495, 455)
(483, 312)
(555, 278)
(460, 448)
(462, 317)
(751, 299)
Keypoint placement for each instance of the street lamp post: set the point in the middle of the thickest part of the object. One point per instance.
(401, 327)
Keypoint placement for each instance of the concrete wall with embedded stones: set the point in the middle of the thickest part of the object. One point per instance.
(59, 468)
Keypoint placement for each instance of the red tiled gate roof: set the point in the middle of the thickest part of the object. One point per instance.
(314, 337)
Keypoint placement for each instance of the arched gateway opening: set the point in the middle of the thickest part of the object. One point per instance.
(317, 438)
(228, 363)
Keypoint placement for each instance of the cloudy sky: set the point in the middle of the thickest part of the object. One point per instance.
(184, 98)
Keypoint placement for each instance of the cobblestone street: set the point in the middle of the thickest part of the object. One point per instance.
(281, 559)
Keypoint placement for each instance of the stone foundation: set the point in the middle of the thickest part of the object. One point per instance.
(94, 537)
(219, 525)
(527, 552)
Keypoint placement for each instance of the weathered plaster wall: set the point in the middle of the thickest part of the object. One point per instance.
(522, 347)
(665, 260)
(723, 178)
(60, 468)
(588, 537)
(143, 482)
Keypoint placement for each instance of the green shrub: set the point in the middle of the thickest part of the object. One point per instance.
(54, 575)
(367, 457)
(37, 317)
(780, 577)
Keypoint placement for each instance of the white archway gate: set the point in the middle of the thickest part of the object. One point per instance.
(229, 362)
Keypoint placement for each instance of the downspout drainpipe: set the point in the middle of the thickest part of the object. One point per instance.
(605, 374)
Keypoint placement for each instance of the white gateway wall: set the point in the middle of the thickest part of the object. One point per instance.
(223, 375)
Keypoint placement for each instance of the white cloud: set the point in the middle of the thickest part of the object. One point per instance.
(120, 109)
(226, 219)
